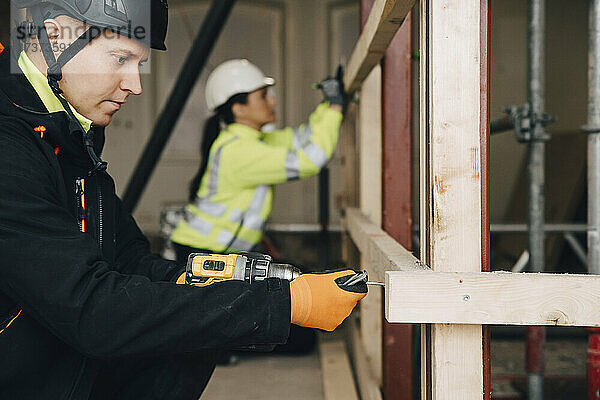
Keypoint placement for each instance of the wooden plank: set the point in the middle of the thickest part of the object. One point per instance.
(498, 298)
(456, 363)
(451, 144)
(338, 380)
(383, 252)
(385, 18)
(370, 158)
(451, 182)
(348, 144)
(370, 200)
(371, 319)
(369, 385)
(349, 160)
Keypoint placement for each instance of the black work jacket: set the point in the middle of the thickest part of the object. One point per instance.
(70, 300)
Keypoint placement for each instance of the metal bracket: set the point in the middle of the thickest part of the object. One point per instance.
(525, 123)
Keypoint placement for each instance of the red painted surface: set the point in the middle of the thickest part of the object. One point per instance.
(397, 137)
(397, 368)
(398, 371)
(593, 364)
(535, 349)
(365, 9)
(485, 181)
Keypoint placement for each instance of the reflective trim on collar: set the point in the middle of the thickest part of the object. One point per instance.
(241, 130)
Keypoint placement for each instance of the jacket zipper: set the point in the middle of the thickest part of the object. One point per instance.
(80, 201)
(100, 220)
(81, 208)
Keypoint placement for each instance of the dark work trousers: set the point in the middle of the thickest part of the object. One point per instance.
(166, 378)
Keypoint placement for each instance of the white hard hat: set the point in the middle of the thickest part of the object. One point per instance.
(233, 77)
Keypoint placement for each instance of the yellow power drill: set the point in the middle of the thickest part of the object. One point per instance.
(205, 269)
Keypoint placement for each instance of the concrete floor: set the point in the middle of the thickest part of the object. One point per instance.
(266, 377)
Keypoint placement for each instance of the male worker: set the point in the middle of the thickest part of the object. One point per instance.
(86, 311)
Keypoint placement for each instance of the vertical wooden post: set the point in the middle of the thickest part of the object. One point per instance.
(397, 198)
(370, 204)
(484, 128)
(451, 187)
(369, 171)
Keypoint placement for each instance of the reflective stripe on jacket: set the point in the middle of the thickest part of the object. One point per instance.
(235, 195)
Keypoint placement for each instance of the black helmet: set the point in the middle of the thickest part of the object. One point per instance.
(122, 16)
(133, 18)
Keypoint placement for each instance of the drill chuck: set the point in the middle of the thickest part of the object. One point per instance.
(261, 266)
(283, 271)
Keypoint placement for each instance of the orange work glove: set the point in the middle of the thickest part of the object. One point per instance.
(318, 300)
(181, 279)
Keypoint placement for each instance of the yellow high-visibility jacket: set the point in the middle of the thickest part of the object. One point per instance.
(235, 195)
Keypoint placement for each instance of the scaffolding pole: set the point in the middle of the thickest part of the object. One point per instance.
(593, 129)
(535, 172)
(548, 228)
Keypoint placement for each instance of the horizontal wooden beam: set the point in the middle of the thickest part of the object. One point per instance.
(384, 20)
(379, 249)
(499, 298)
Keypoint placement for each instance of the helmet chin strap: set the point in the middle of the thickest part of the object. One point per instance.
(54, 74)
